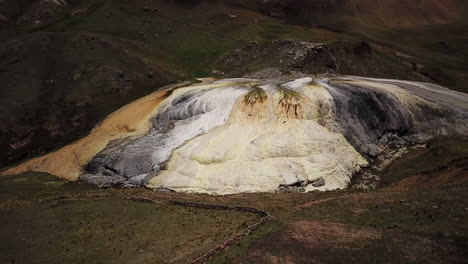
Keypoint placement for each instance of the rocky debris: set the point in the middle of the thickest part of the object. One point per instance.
(109, 177)
(301, 186)
(294, 58)
(365, 180)
(163, 190)
(392, 140)
(318, 183)
(103, 181)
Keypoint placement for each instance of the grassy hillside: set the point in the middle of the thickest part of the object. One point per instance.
(86, 58)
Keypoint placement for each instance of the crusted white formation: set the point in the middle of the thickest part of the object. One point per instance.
(246, 135)
(260, 156)
(270, 144)
(187, 113)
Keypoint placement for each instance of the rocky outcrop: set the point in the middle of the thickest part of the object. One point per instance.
(296, 58)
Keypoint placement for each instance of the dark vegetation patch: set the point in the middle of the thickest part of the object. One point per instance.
(31, 186)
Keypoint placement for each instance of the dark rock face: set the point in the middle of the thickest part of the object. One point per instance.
(56, 86)
(364, 113)
(372, 119)
(319, 183)
(289, 57)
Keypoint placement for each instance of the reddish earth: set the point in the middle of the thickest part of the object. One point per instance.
(455, 173)
(407, 12)
(318, 242)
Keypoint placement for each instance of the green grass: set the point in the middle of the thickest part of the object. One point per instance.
(39, 224)
(426, 212)
(35, 185)
(238, 249)
(437, 154)
(288, 96)
(256, 94)
(113, 231)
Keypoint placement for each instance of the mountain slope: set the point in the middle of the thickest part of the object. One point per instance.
(73, 62)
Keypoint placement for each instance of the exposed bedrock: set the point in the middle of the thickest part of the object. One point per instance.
(246, 135)
(371, 116)
(294, 59)
(289, 57)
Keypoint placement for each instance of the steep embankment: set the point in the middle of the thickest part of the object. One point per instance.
(247, 135)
